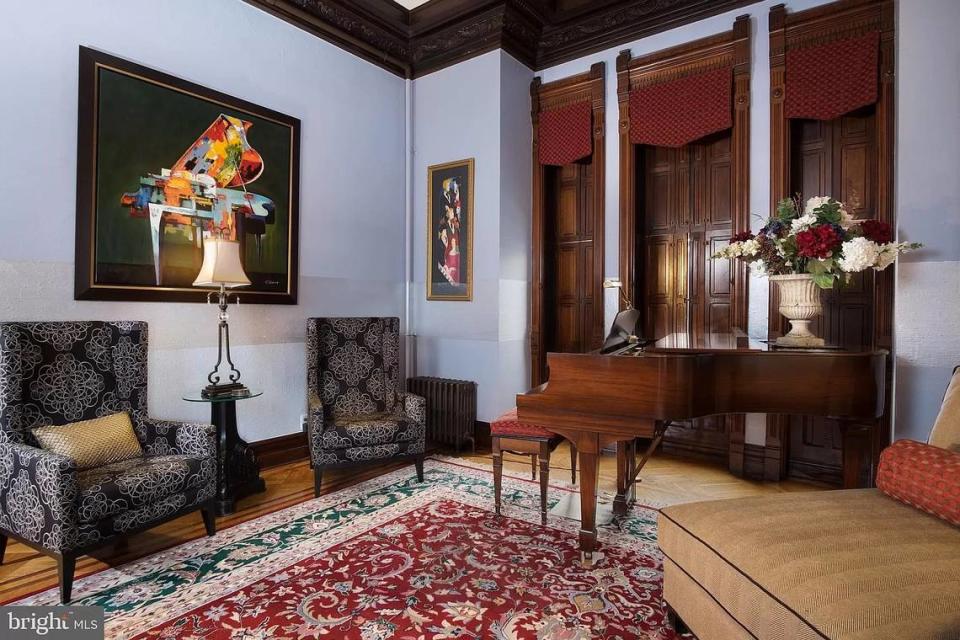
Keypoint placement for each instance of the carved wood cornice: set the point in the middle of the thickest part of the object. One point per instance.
(539, 33)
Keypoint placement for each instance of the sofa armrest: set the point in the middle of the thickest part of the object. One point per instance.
(166, 437)
(38, 496)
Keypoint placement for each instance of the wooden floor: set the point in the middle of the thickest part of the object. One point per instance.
(665, 480)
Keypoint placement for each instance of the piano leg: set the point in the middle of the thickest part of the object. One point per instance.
(589, 450)
(626, 469)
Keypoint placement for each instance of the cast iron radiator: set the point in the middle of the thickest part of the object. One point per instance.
(451, 408)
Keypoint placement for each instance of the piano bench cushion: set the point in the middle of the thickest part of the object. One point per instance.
(509, 425)
(851, 565)
(922, 476)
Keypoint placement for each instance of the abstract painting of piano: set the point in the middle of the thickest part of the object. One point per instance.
(164, 163)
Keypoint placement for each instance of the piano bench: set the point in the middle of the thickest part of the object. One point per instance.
(509, 435)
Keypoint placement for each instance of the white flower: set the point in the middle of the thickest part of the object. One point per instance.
(758, 268)
(745, 249)
(846, 220)
(890, 251)
(802, 223)
(858, 254)
(749, 248)
(815, 203)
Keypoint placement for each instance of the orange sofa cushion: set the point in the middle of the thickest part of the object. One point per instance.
(922, 476)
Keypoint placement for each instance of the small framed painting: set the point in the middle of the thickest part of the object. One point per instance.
(450, 231)
(163, 164)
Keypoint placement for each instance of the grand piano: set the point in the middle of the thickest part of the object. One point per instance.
(633, 389)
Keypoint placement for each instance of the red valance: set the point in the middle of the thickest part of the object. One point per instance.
(677, 112)
(826, 81)
(565, 134)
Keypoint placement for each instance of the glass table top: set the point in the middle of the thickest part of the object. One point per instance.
(196, 396)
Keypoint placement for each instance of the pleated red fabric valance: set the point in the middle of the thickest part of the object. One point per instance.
(565, 134)
(826, 81)
(677, 112)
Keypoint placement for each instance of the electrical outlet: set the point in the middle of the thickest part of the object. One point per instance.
(303, 421)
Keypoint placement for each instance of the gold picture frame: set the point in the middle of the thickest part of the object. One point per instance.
(449, 272)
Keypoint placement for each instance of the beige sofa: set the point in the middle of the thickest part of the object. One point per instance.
(851, 565)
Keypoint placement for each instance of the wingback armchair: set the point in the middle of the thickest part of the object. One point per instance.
(54, 373)
(356, 412)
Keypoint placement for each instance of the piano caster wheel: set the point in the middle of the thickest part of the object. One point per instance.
(590, 560)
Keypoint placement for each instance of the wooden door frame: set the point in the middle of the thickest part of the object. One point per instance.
(587, 86)
(731, 48)
(842, 19)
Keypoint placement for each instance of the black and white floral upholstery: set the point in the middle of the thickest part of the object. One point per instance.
(356, 410)
(53, 373)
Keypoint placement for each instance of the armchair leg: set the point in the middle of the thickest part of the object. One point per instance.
(3, 546)
(209, 520)
(418, 461)
(66, 565)
(317, 477)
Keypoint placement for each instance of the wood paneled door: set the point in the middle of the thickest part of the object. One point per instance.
(686, 215)
(570, 302)
(678, 206)
(567, 298)
(851, 159)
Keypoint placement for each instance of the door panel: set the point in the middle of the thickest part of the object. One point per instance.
(569, 276)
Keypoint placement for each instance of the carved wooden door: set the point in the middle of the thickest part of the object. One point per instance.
(686, 216)
(570, 273)
(836, 158)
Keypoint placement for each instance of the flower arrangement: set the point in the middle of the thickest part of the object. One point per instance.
(819, 238)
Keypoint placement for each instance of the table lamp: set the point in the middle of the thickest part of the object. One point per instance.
(223, 269)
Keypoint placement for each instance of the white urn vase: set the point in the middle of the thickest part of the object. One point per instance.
(799, 303)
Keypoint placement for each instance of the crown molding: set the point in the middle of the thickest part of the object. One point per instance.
(538, 33)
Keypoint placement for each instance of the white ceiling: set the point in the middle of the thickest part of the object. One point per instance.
(411, 4)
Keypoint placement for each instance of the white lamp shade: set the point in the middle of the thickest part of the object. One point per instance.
(221, 265)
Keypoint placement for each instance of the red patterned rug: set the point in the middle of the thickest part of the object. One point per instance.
(395, 559)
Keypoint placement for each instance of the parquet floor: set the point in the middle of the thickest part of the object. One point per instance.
(665, 480)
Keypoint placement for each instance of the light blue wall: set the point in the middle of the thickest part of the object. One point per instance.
(480, 109)
(928, 209)
(351, 194)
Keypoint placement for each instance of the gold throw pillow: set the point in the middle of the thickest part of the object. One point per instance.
(92, 443)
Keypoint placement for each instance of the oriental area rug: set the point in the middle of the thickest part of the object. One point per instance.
(394, 559)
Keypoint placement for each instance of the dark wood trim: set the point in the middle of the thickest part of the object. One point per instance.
(539, 33)
(588, 86)
(352, 25)
(730, 48)
(844, 18)
(274, 452)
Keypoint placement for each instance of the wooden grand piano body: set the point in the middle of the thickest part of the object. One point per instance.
(595, 399)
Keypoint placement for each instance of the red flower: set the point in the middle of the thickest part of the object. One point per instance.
(818, 242)
(742, 237)
(879, 232)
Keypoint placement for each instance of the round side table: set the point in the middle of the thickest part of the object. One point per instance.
(238, 471)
